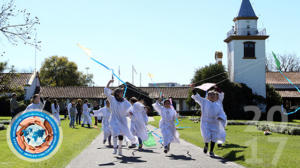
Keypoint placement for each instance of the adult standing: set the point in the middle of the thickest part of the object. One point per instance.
(79, 111)
(13, 105)
(47, 106)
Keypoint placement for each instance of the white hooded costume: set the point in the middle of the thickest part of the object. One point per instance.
(166, 124)
(55, 113)
(223, 122)
(86, 114)
(211, 111)
(139, 121)
(118, 120)
(105, 114)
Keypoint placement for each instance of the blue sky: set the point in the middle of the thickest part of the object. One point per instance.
(168, 38)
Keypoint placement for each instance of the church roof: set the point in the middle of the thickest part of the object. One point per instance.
(246, 10)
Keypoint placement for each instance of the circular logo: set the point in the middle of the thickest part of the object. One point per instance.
(34, 135)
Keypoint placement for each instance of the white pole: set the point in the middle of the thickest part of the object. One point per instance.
(140, 79)
(132, 75)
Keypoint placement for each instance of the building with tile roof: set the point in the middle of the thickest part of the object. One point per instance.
(288, 92)
(29, 81)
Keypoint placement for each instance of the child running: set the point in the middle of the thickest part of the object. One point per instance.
(119, 108)
(210, 117)
(138, 125)
(105, 113)
(166, 124)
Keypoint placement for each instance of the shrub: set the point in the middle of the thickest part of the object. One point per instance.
(280, 128)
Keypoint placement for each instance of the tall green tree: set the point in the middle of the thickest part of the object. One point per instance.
(59, 71)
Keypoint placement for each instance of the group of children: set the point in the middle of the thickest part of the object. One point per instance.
(115, 124)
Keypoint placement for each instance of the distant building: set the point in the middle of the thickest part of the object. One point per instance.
(168, 84)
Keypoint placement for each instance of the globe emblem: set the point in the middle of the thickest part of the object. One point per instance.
(34, 135)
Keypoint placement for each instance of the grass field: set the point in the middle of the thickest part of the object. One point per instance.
(74, 141)
(247, 146)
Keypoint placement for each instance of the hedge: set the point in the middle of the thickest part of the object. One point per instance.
(280, 128)
(2, 127)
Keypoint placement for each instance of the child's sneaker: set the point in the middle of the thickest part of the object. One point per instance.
(166, 150)
(211, 154)
(115, 151)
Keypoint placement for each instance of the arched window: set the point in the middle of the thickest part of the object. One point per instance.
(249, 49)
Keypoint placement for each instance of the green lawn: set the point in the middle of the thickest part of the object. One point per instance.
(74, 141)
(247, 146)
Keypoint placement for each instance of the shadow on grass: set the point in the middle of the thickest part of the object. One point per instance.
(125, 159)
(233, 146)
(231, 156)
(179, 157)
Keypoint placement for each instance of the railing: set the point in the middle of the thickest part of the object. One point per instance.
(247, 32)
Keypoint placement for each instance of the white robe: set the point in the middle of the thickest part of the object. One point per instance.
(118, 119)
(32, 106)
(105, 114)
(55, 113)
(210, 112)
(138, 125)
(86, 114)
(223, 122)
(166, 124)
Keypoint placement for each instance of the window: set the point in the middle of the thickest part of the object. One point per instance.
(249, 50)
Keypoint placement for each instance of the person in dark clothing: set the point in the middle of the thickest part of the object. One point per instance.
(13, 105)
(96, 107)
(79, 111)
(47, 106)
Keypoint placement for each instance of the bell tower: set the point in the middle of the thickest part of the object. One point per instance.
(246, 50)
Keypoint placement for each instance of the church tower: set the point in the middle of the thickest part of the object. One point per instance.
(246, 50)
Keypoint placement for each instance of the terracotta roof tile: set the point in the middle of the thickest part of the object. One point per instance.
(18, 79)
(98, 92)
(289, 94)
(277, 78)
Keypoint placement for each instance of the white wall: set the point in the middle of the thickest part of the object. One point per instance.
(250, 71)
(29, 90)
(242, 25)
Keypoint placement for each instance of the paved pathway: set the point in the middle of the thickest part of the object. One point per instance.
(181, 155)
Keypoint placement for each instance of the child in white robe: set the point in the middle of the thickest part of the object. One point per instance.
(211, 113)
(86, 114)
(105, 114)
(36, 103)
(119, 108)
(166, 124)
(138, 125)
(55, 111)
